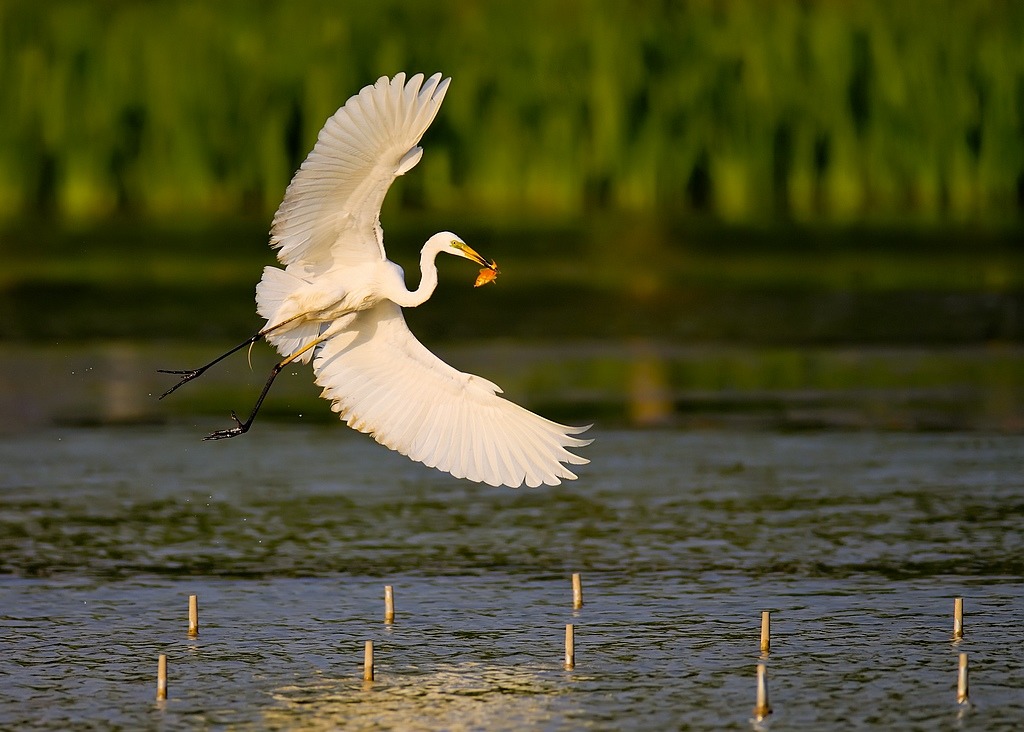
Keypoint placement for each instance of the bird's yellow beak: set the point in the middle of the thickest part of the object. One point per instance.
(464, 250)
(490, 269)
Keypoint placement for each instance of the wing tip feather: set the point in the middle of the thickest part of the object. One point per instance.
(382, 119)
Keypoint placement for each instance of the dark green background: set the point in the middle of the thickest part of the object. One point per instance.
(833, 188)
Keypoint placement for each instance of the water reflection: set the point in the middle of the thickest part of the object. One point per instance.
(856, 542)
(649, 395)
(123, 380)
(316, 501)
(464, 696)
(639, 382)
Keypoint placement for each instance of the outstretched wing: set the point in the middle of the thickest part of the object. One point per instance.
(330, 211)
(385, 382)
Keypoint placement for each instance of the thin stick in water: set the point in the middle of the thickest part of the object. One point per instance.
(762, 708)
(570, 647)
(577, 592)
(766, 622)
(193, 615)
(961, 681)
(389, 604)
(161, 677)
(958, 618)
(368, 662)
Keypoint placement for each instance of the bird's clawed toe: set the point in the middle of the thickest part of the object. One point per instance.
(240, 428)
(186, 376)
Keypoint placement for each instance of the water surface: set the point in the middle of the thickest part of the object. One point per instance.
(856, 541)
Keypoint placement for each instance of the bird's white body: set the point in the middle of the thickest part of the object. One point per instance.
(338, 302)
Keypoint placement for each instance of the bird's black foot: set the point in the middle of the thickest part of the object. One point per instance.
(186, 376)
(240, 428)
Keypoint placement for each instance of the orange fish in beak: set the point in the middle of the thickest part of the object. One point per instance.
(487, 274)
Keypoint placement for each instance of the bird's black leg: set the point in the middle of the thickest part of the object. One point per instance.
(242, 427)
(189, 374)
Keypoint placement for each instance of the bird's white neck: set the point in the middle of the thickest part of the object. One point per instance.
(428, 280)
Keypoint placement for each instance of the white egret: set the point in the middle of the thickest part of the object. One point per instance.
(338, 302)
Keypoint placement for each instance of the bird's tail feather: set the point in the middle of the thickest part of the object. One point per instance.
(271, 292)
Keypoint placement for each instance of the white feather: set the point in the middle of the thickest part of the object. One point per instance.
(385, 383)
(338, 290)
(329, 212)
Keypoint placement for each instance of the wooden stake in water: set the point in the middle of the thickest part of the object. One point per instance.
(368, 662)
(577, 592)
(389, 604)
(193, 615)
(958, 618)
(961, 681)
(570, 647)
(161, 677)
(762, 708)
(766, 622)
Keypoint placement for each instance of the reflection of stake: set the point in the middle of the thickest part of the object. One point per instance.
(961, 681)
(762, 708)
(958, 618)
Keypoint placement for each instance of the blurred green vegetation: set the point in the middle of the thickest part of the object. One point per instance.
(742, 111)
(769, 287)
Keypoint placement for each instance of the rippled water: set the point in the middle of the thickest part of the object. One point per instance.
(857, 543)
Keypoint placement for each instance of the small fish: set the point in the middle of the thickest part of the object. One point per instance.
(487, 274)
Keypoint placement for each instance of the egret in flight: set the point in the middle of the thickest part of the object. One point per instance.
(338, 303)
